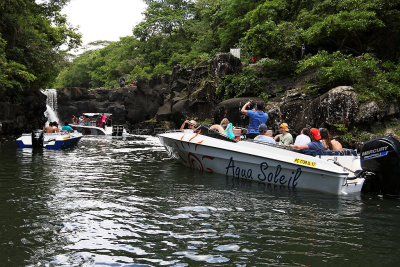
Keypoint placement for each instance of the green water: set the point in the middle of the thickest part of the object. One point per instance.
(123, 202)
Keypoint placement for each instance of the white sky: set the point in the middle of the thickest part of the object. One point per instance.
(104, 19)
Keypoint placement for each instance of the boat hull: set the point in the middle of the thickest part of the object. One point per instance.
(116, 130)
(50, 141)
(259, 163)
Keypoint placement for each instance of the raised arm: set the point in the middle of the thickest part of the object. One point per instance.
(183, 125)
(243, 110)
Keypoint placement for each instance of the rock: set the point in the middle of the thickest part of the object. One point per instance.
(299, 110)
(223, 64)
(337, 106)
(368, 112)
(231, 109)
(24, 116)
(164, 112)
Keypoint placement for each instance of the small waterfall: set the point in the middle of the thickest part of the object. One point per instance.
(51, 105)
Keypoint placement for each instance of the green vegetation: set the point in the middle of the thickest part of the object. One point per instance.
(246, 83)
(346, 42)
(367, 75)
(31, 36)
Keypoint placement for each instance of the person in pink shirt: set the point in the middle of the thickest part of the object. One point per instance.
(103, 120)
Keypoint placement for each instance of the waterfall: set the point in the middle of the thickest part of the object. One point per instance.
(51, 105)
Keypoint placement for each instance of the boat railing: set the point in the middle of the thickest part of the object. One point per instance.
(273, 145)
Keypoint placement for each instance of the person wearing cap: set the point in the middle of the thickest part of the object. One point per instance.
(262, 137)
(315, 147)
(284, 138)
(191, 125)
(256, 117)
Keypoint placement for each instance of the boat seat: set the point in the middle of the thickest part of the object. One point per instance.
(204, 130)
(345, 152)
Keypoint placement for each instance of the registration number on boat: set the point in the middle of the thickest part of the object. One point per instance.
(305, 162)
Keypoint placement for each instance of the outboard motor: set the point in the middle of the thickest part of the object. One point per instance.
(380, 158)
(37, 139)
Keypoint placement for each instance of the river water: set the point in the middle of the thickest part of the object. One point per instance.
(123, 202)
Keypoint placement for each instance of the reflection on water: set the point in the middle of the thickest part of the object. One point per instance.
(114, 201)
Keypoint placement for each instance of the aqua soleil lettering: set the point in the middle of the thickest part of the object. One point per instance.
(265, 174)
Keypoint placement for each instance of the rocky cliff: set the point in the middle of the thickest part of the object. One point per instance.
(23, 114)
(189, 93)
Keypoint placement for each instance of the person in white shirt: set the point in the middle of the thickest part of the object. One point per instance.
(303, 138)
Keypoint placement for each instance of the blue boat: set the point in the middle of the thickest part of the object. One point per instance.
(53, 141)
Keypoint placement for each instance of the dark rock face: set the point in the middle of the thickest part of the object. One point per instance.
(337, 106)
(128, 104)
(225, 63)
(75, 101)
(188, 96)
(231, 109)
(189, 93)
(26, 116)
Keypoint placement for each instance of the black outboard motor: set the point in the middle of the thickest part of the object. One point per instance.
(380, 158)
(37, 139)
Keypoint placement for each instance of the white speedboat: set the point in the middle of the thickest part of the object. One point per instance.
(54, 141)
(91, 127)
(337, 173)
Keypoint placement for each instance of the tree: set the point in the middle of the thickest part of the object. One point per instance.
(33, 35)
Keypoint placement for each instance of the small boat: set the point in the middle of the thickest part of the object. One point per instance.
(336, 172)
(91, 126)
(54, 141)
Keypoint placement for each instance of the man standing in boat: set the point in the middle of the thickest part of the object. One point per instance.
(257, 117)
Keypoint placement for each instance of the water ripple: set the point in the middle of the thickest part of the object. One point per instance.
(123, 202)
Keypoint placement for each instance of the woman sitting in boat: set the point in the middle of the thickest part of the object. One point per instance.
(224, 128)
(315, 147)
(328, 141)
(191, 125)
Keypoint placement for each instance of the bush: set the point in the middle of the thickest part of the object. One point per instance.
(370, 78)
(276, 68)
(246, 83)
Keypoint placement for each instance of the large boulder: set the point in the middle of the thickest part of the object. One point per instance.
(142, 102)
(22, 116)
(299, 110)
(337, 106)
(231, 109)
(223, 64)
